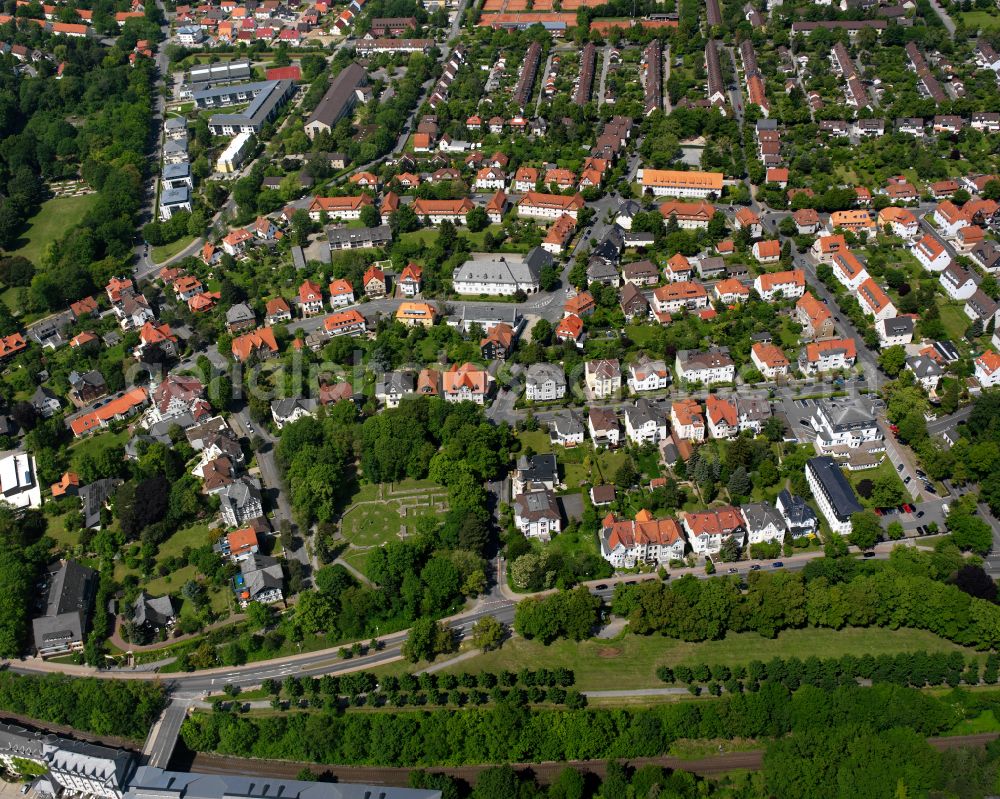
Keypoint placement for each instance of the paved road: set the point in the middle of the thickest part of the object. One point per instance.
(162, 739)
(945, 19)
(605, 66)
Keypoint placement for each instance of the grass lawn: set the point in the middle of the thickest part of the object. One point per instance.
(173, 583)
(9, 298)
(53, 219)
(358, 558)
(631, 660)
(95, 445)
(985, 20)
(196, 536)
(643, 335)
(55, 529)
(954, 320)
(537, 440)
(160, 254)
(884, 469)
(374, 519)
(984, 722)
(371, 525)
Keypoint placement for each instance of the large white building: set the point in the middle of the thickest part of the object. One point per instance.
(713, 366)
(843, 424)
(833, 494)
(536, 514)
(672, 183)
(501, 274)
(18, 481)
(544, 382)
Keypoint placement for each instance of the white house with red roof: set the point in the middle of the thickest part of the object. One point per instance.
(931, 254)
(175, 397)
(988, 369)
(626, 542)
(706, 530)
(411, 280)
(341, 293)
(310, 298)
(790, 284)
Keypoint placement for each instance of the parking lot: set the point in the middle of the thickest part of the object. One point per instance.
(12, 790)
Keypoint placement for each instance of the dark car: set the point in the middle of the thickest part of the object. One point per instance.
(601, 587)
(755, 567)
(920, 514)
(777, 564)
(868, 554)
(930, 489)
(733, 570)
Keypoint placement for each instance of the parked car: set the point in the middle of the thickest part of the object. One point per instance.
(777, 564)
(734, 570)
(755, 567)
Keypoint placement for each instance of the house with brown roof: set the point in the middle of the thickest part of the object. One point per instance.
(570, 328)
(687, 420)
(814, 316)
(498, 343)
(581, 304)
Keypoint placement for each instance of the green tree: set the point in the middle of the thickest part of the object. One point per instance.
(426, 640)
(865, 529)
(477, 219)
(892, 360)
(488, 634)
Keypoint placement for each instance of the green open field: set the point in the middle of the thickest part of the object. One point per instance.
(54, 218)
(986, 21)
(379, 514)
(632, 660)
(95, 445)
(883, 469)
(161, 254)
(954, 320)
(581, 465)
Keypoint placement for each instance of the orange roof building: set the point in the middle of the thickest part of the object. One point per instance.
(119, 408)
(260, 343)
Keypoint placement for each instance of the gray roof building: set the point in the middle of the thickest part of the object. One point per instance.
(799, 517)
(240, 502)
(86, 768)
(239, 315)
(538, 374)
(94, 497)
(761, 515)
(153, 611)
(260, 579)
(345, 238)
(898, 326)
(836, 492)
(338, 100)
(207, 75)
(262, 108)
(71, 589)
(155, 783)
(492, 273)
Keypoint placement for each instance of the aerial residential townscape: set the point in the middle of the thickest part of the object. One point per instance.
(504, 399)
